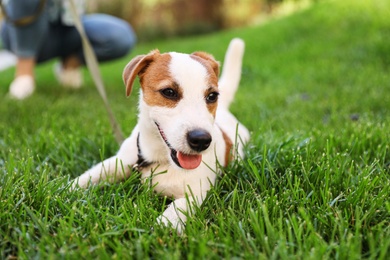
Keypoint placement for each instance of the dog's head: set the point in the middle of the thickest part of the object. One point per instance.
(179, 98)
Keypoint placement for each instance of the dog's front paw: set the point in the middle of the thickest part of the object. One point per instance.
(78, 183)
(175, 215)
(73, 185)
(174, 222)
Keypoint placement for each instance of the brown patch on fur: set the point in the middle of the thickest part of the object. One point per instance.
(208, 61)
(228, 149)
(157, 78)
(211, 107)
(212, 67)
(135, 67)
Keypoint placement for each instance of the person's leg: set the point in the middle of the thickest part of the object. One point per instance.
(24, 42)
(60, 42)
(25, 66)
(63, 42)
(110, 37)
(26, 58)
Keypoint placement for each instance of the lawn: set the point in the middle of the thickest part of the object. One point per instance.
(315, 183)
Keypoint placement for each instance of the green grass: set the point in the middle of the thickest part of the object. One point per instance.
(315, 184)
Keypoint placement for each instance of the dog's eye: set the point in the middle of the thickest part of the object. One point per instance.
(212, 97)
(169, 93)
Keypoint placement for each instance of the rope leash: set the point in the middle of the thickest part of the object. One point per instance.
(93, 68)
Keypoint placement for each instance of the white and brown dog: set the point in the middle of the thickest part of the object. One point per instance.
(185, 131)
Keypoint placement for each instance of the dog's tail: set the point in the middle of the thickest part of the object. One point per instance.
(231, 73)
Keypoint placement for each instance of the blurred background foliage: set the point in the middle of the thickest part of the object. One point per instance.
(153, 19)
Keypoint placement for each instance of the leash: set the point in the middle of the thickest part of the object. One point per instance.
(93, 68)
(27, 19)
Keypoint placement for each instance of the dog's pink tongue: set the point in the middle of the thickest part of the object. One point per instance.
(188, 161)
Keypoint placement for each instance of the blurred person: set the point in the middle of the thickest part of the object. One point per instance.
(40, 30)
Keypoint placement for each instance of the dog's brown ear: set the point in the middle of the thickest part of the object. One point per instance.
(135, 66)
(210, 59)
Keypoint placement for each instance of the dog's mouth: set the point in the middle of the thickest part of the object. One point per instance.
(185, 161)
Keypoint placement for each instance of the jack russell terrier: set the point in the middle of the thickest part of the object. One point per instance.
(185, 132)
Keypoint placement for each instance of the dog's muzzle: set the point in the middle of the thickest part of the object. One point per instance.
(198, 140)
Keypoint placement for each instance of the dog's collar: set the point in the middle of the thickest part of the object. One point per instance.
(141, 162)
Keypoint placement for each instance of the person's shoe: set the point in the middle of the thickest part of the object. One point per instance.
(22, 87)
(69, 78)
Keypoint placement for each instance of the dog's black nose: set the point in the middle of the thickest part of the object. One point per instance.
(198, 139)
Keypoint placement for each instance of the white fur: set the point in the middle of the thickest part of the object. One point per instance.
(185, 186)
